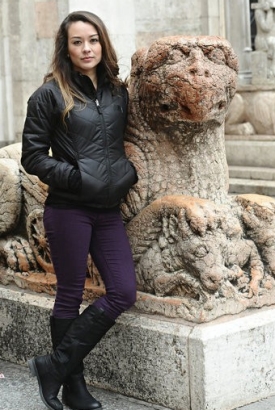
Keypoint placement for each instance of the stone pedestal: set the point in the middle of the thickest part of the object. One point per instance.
(222, 365)
(259, 67)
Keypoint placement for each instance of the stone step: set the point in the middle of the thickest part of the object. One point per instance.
(250, 137)
(262, 173)
(249, 186)
(250, 153)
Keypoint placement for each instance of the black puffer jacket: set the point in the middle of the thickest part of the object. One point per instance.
(91, 145)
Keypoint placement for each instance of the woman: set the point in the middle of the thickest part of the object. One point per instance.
(79, 113)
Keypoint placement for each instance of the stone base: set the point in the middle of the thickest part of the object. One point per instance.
(220, 365)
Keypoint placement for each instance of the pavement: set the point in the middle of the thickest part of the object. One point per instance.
(19, 391)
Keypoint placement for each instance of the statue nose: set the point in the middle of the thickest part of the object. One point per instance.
(198, 64)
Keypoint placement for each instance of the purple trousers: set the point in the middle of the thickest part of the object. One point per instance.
(73, 234)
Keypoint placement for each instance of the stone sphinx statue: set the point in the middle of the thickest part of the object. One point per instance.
(199, 252)
(251, 111)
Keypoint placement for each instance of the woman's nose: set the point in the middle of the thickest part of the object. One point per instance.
(86, 46)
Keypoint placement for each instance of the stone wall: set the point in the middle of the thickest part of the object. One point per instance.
(28, 28)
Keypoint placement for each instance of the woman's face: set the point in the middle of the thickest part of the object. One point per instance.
(84, 48)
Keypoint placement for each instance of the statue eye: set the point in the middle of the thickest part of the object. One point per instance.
(178, 55)
(217, 56)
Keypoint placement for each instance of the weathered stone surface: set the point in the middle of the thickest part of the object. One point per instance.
(46, 18)
(180, 90)
(258, 217)
(10, 201)
(195, 233)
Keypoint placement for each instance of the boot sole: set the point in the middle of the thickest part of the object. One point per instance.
(74, 408)
(34, 373)
(67, 404)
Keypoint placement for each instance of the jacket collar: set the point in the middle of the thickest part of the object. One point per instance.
(85, 84)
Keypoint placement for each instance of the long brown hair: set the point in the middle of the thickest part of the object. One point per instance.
(61, 67)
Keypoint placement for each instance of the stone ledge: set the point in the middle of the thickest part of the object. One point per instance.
(248, 186)
(220, 365)
(253, 137)
(255, 173)
(250, 153)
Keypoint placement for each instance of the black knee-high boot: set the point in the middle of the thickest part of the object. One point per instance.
(75, 394)
(81, 337)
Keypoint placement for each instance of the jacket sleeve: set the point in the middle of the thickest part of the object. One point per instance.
(36, 142)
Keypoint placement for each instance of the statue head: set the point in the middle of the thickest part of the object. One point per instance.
(184, 79)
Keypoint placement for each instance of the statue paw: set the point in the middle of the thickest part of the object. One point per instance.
(16, 254)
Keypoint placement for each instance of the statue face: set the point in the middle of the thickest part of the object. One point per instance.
(187, 80)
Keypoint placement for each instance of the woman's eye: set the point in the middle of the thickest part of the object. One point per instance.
(94, 40)
(76, 42)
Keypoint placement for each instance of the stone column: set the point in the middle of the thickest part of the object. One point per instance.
(6, 90)
(213, 17)
(237, 14)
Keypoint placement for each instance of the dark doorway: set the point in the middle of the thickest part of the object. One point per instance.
(252, 24)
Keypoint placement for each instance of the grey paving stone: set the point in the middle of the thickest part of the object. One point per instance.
(19, 391)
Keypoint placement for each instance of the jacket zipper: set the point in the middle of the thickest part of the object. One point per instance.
(106, 143)
(98, 106)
